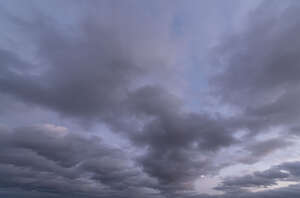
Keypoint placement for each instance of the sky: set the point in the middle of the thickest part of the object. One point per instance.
(150, 99)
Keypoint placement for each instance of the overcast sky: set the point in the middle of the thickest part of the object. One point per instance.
(150, 99)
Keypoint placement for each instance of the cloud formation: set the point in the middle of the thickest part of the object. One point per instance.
(54, 160)
(94, 76)
(124, 67)
(261, 66)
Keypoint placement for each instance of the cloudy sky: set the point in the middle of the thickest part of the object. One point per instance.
(150, 99)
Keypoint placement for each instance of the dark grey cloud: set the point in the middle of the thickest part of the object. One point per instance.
(102, 73)
(291, 191)
(257, 79)
(260, 149)
(94, 65)
(288, 171)
(51, 160)
(117, 64)
(261, 67)
(179, 144)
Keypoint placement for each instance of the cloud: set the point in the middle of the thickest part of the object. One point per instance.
(120, 65)
(103, 73)
(259, 149)
(260, 67)
(288, 171)
(39, 159)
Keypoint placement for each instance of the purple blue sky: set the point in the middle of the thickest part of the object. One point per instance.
(150, 99)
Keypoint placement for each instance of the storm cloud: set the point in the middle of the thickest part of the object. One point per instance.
(106, 91)
(261, 67)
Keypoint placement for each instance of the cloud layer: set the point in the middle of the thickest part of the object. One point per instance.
(124, 67)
